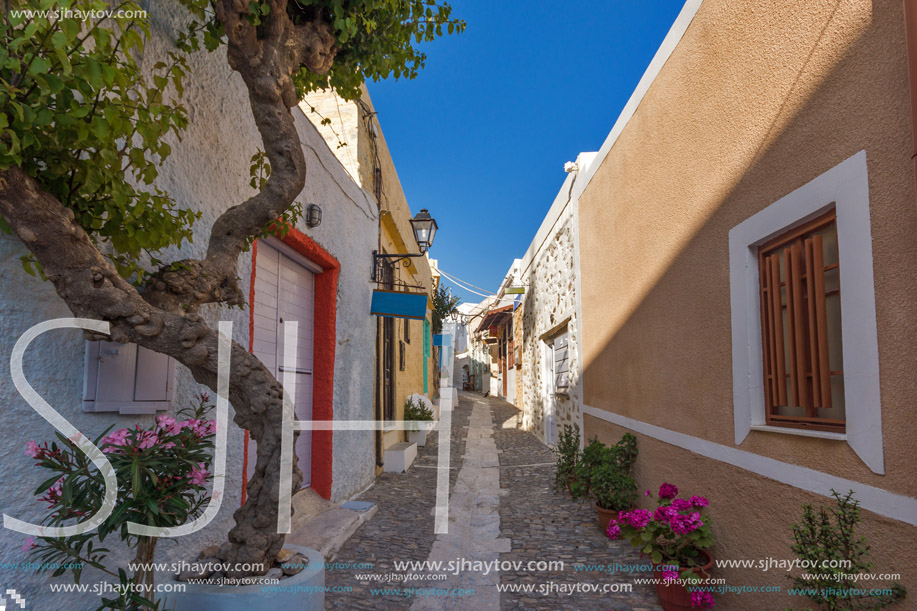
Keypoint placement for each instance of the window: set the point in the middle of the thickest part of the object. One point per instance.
(407, 330)
(126, 378)
(401, 363)
(801, 327)
(827, 384)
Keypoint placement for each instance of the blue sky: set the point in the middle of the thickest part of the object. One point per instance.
(481, 136)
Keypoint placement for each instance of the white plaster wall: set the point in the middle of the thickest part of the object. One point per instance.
(209, 171)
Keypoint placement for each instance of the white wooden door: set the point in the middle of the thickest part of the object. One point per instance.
(285, 292)
(547, 389)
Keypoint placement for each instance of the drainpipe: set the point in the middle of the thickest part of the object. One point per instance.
(910, 23)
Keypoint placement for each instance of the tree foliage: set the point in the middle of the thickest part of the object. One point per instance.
(79, 115)
(375, 39)
(445, 304)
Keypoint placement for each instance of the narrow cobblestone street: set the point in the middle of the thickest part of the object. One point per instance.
(521, 521)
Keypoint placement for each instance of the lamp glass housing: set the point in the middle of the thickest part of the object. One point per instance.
(424, 227)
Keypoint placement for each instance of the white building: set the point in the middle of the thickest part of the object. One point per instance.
(97, 385)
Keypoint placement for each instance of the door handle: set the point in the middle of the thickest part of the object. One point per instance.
(295, 370)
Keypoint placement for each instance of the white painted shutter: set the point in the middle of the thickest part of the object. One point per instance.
(561, 364)
(126, 378)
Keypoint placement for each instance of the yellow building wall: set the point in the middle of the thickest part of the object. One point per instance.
(354, 134)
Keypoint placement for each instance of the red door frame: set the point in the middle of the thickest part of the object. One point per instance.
(325, 339)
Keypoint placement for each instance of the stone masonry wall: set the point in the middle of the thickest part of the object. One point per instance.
(549, 309)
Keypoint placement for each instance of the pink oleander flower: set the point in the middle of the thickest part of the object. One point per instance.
(118, 438)
(167, 446)
(193, 425)
(199, 475)
(53, 494)
(669, 575)
(205, 397)
(29, 544)
(668, 491)
(704, 600)
(148, 439)
(699, 501)
(204, 427)
(681, 504)
(168, 424)
(32, 449)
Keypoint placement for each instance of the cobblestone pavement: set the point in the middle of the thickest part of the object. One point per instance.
(545, 526)
(540, 525)
(402, 528)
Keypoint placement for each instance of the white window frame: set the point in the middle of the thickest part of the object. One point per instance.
(844, 187)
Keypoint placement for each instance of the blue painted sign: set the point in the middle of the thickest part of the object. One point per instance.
(399, 305)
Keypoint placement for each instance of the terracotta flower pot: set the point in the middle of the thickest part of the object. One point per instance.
(605, 516)
(674, 596)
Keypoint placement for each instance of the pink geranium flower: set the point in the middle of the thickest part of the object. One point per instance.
(669, 575)
(699, 501)
(681, 504)
(638, 518)
(614, 530)
(704, 600)
(668, 491)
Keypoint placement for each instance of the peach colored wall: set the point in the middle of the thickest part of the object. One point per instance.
(758, 98)
(752, 519)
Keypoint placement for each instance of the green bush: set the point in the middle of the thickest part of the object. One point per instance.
(602, 471)
(825, 537)
(568, 458)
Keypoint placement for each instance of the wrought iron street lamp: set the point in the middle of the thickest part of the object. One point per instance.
(424, 227)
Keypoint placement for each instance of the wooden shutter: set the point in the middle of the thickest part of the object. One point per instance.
(794, 326)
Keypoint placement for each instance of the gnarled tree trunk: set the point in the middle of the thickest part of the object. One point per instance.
(163, 316)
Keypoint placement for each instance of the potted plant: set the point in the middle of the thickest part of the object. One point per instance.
(609, 473)
(161, 471)
(676, 538)
(416, 411)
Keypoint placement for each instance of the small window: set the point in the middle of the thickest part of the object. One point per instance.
(401, 356)
(407, 330)
(801, 327)
(127, 378)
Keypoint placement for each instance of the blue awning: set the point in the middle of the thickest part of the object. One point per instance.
(399, 305)
(442, 340)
